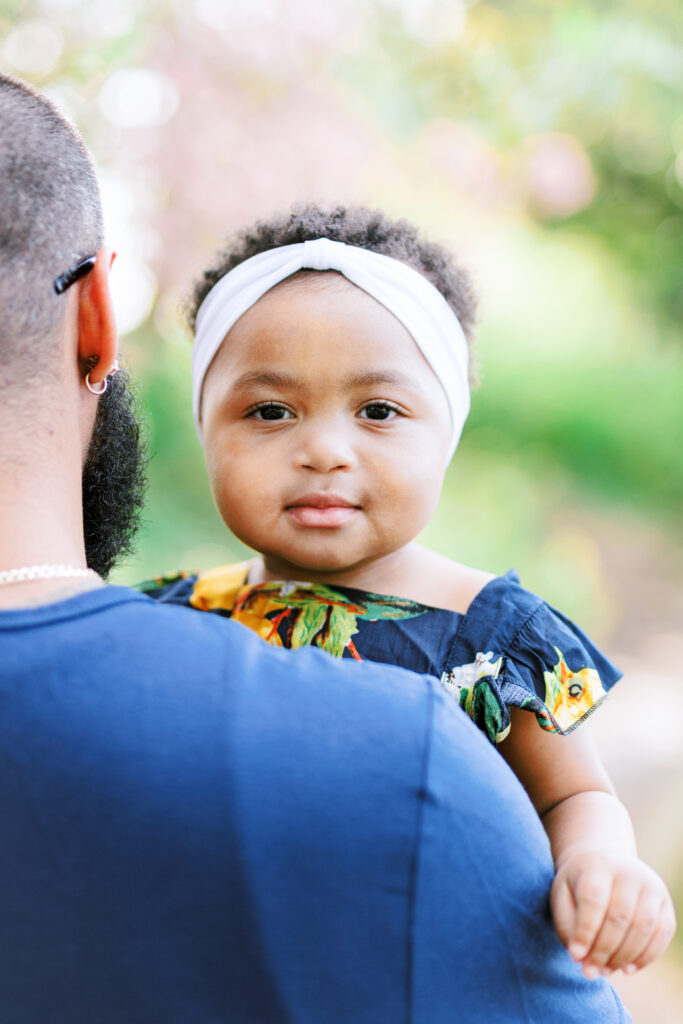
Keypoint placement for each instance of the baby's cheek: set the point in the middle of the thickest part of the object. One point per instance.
(425, 482)
(232, 492)
(238, 497)
(243, 520)
(408, 503)
(235, 473)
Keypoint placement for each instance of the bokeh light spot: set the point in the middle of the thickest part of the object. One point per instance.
(559, 176)
(34, 47)
(432, 22)
(133, 290)
(138, 97)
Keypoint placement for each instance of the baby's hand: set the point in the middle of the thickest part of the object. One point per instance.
(611, 912)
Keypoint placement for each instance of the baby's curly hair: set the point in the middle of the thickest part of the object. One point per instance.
(354, 225)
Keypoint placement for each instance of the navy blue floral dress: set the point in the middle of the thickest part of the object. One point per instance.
(510, 649)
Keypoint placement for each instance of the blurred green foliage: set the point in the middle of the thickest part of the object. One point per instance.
(609, 76)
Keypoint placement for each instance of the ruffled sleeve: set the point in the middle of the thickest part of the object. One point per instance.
(515, 650)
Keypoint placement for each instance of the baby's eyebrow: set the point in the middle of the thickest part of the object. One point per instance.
(253, 380)
(375, 377)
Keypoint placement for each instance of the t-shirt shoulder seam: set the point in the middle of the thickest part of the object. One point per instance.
(417, 844)
(43, 615)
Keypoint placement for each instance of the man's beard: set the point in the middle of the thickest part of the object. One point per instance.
(114, 478)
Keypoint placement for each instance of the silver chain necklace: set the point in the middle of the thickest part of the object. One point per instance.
(43, 572)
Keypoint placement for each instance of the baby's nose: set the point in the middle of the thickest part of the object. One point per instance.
(325, 446)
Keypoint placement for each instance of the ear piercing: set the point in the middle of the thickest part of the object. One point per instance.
(96, 389)
(99, 389)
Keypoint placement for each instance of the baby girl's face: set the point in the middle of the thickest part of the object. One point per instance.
(326, 431)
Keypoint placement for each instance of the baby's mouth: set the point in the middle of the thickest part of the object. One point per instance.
(322, 510)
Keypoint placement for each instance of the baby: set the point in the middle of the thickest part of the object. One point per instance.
(331, 386)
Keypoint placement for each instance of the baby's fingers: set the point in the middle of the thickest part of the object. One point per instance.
(620, 915)
(579, 908)
(651, 931)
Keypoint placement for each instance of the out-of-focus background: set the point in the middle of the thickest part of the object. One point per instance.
(542, 140)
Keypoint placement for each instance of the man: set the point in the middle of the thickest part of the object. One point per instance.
(198, 828)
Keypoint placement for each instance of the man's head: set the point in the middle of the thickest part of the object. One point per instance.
(51, 220)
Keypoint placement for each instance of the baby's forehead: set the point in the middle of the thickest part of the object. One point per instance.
(321, 348)
(304, 335)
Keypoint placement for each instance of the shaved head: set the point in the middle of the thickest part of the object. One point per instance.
(50, 218)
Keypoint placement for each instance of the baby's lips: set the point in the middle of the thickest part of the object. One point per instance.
(327, 517)
(322, 499)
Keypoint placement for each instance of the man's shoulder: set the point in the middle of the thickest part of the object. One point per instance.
(175, 633)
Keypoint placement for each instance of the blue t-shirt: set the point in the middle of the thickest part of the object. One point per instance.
(199, 828)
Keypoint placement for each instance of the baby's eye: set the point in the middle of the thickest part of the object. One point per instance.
(270, 411)
(379, 411)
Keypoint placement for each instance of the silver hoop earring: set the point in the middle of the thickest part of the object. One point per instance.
(94, 390)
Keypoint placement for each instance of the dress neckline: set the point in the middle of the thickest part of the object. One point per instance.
(482, 595)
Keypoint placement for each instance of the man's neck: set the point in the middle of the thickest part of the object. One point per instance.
(41, 519)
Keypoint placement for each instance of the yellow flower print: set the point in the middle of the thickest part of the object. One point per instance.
(218, 589)
(224, 589)
(571, 695)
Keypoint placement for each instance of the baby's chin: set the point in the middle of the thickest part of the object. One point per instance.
(318, 564)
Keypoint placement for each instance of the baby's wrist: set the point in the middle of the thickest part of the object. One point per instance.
(593, 849)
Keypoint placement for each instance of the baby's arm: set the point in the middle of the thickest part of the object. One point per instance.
(610, 909)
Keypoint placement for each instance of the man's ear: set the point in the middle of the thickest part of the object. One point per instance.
(97, 337)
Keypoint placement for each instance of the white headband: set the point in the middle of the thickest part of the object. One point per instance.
(413, 300)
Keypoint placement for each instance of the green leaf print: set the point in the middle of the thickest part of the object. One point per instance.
(486, 711)
(391, 608)
(310, 621)
(341, 626)
(328, 619)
